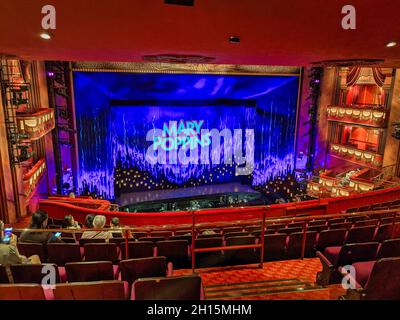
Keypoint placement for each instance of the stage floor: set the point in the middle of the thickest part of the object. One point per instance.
(157, 195)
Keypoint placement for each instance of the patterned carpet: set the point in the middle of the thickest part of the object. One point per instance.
(272, 272)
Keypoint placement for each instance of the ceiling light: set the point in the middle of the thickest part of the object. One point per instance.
(391, 44)
(45, 36)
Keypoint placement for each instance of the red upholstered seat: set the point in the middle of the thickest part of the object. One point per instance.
(101, 252)
(332, 254)
(3, 275)
(176, 251)
(90, 271)
(29, 249)
(32, 273)
(330, 238)
(274, 247)
(98, 290)
(294, 246)
(61, 253)
(170, 288)
(363, 270)
(133, 269)
(21, 292)
(139, 249)
(360, 234)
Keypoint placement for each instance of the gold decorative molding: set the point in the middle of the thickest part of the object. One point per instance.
(155, 67)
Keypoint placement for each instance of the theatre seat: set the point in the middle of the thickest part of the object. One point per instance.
(163, 234)
(82, 242)
(294, 246)
(209, 259)
(101, 252)
(382, 283)
(98, 290)
(175, 251)
(275, 247)
(61, 253)
(342, 225)
(139, 249)
(133, 269)
(385, 232)
(90, 271)
(29, 249)
(21, 292)
(360, 234)
(241, 256)
(236, 234)
(335, 257)
(330, 238)
(187, 238)
(154, 240)
(32, 273)
(171, 288)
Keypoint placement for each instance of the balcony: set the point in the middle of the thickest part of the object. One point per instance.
(373, 117)
(36, 125)
(363, 157)
(32, 177)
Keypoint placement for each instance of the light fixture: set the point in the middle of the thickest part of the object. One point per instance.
(391, 44)
(45, 36)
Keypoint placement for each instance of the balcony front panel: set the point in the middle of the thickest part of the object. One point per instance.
(36, 125)
(33, 176)
(361, 157)
(369, 117)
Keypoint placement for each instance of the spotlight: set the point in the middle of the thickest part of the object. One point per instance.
(391, 44)
(50, 73)
(45, 36)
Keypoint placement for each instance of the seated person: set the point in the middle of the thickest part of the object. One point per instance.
(70, 223)
(114, 223)
(89, 221)
(9, 252)
(98, 223)
(39, 221)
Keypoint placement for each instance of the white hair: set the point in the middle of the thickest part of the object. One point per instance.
(99, 222)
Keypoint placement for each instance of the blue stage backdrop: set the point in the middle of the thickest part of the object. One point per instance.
(134, 129)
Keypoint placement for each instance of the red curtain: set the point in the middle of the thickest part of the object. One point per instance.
(353, 75)
(379, 76)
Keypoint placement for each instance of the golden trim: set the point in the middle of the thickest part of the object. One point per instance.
(180, 68)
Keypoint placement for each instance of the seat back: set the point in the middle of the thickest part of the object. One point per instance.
(21, 292)
(389, 249)
(336, 220)
(162, 234)
(101, 252)
(97, 290)
(209, 259)
(182, 237)
(139, 249)
(171, 288)
(342, 225)
(61, 253)
(330, 238)
(294, 246)
(360, 234)
(241, 256)
(364, 223)
(133, 269)
(183, 232)
(231, 229)
(385, 232)
(116, 240)
(357, 252)
(154, 240)
(82, 242)
(139, 234)
(33, 273)
(3, 275)
(236, 234)
(176, 251)
(382, 283)
(29, 249)
(274, 247)
(89, 271)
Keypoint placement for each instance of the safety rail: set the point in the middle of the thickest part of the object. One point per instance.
(127, 231)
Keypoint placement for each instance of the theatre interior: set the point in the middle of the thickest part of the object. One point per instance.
(188, 150)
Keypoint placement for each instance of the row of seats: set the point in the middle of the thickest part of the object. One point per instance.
(278, 246)
(160, 288)
(379, 206)
(128, 270)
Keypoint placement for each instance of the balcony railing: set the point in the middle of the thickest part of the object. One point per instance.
(36, 125)
(350, 114)
(32, 177)
(362, 157)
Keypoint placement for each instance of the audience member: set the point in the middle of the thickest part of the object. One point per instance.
(99, 222)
